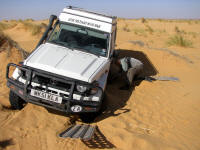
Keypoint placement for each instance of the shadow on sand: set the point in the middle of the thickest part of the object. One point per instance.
(98, 141)
(5, 143)
(149, 68)
(116, 99)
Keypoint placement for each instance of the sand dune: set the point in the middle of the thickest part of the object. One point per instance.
(151, 116)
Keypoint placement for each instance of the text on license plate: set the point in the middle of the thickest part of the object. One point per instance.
(46, 96)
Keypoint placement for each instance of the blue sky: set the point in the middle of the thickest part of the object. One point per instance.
(42, 9)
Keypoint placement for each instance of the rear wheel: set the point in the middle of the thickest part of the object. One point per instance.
(16, 101)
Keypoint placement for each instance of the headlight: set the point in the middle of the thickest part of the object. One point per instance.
(81, 88)
(19, 72)
(94, 89)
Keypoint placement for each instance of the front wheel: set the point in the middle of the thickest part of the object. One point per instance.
(16, 102)
(90, 117)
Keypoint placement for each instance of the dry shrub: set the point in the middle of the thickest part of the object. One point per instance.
(189, 22)
(29, 19)
(20, 20)
(43, 25)
(126, 28)
(160, 20)
(179, 40)
(3, 26)
(149, 29)
(160, 31)
(139, 31)
(6, 43)
(4, 20)
(193, 34)
(143, 20)
(178, 31)
(197, 21)
(13, 20)
(34, 28)
(4, 38)
(120, 19)
(7, 25)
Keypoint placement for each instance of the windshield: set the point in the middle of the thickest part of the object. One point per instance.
(80, 38)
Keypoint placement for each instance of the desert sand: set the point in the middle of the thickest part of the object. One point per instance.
(153, 115)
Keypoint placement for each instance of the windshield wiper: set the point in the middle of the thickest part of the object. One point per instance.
(57, 42)
(70, 47)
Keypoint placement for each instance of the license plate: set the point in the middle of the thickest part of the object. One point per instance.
(46, 96)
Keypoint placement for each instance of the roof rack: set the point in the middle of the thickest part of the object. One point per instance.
(81, 9)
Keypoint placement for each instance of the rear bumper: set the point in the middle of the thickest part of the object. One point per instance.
(23, 91)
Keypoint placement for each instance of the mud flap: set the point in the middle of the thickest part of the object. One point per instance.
(83, 132)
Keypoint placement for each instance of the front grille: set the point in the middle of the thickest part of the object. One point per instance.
(47, 81)
(51, 85)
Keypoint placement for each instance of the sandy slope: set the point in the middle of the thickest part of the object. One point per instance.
(154, 115)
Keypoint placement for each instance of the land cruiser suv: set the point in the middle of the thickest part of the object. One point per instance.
(68, 69)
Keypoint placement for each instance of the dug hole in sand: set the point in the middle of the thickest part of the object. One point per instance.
(151, 116)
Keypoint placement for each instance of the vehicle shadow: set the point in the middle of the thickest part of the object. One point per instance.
(98, 141)
(116, 99)
(149, 68)
(5, 143)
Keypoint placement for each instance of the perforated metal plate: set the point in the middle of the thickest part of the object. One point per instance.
(83, 131)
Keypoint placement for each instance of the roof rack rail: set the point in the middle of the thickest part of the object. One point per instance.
(81, 9)
(74, 7)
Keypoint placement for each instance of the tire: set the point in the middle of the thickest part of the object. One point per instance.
(16, 102)
(90, 117)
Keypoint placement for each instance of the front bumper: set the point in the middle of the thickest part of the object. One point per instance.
(23, 89)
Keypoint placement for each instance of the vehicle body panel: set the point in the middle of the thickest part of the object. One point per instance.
(64, 61)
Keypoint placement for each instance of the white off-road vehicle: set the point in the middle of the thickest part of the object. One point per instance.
(68, 69)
